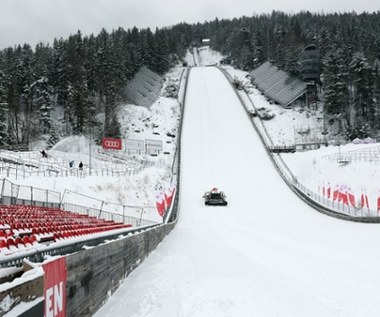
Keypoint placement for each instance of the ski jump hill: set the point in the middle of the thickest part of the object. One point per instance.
(252, 256)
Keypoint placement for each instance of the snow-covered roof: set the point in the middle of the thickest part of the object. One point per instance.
(144, 88)
(277, 84)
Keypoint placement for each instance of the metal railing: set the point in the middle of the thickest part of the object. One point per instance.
(14, 194)
(371, 155)
(26, 164)
(172, 214)
(327, 206)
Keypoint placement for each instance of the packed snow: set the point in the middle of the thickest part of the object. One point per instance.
(267, 253)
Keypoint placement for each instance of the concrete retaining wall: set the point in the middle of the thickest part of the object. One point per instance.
(94, 274)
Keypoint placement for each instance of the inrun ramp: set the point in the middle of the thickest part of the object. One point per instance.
(266, 253)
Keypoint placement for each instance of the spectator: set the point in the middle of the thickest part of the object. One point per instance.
(71, 163)
(80, 166)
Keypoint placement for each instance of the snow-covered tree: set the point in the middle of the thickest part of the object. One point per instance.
(360, 71)
(43, 104)
(375, 92)
(3, 110)
(335, 84)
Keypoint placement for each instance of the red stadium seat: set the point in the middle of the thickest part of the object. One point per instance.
(57, 236)
(33, 239)
(9, 232)
(47, 224)
(11, 244)
(19, 243)
(4, 247)
(26, 241)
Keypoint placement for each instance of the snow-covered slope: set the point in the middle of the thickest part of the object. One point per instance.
(266, 254)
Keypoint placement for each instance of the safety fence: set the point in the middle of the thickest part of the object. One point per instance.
(368, 155)
(24, 165)
(337, 209)
(172, 214)
(14, 194)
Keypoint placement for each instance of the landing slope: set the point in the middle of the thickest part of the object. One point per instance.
(267, 253)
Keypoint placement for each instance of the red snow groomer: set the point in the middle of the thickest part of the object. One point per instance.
(214, 197)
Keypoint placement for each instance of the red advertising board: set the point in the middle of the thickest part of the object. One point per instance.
(111, 144)
(55, 288)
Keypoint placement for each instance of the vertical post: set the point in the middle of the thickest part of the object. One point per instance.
(90, 158)
(126, 138)
(2, 190)
(61, 200)
(268, 48)
(142, 210)
(101, 207)
(338, 151)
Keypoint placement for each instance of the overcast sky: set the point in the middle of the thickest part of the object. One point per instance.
(31, 21)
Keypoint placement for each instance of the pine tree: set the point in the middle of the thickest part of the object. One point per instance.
(257, 49)
(3, 110)
(360, 71)
(78, 94)
(375, 92)
(59, 77)
(335, 88)
(161, 52)
(43, 104)
(112, 127)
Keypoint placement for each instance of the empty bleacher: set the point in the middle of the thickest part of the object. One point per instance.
(277, 84)
(25, 227)
(144, 88)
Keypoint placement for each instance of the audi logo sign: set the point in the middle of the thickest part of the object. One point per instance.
(111, 144)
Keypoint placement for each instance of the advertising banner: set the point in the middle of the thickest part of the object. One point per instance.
(55, 288)
(153, 145)
(134, 145)
(111, 144)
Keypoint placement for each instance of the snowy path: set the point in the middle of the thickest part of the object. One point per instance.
(267, 253)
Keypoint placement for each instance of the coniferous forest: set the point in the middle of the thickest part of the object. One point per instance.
(82, 76)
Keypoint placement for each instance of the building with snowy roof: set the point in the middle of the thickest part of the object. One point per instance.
(278, 85)
(144, 88)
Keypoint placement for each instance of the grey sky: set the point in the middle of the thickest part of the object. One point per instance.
(31, 21)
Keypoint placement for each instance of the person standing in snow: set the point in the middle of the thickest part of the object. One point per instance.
(80, 166)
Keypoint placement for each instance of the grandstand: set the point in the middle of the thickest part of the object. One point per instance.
(144, 88)
(26, 227)
(277, 85)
